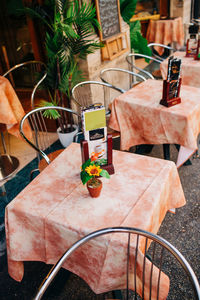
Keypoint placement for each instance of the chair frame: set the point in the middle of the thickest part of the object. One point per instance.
(37, 110)
(123, 71)
(160, 45)
(35, 89)
(139, 232)
(131, 64)
(22, 65)
(93, 82)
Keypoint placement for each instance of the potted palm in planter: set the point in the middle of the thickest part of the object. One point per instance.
(69, 29)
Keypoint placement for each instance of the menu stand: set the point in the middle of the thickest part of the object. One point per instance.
(165, 97)
(85, 154)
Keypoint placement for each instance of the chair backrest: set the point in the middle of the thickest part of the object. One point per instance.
(87, 93)
(43, 126)
(156, 252)
(154, 64)
(34, 98)
(116, 77)
(169, 48)
(24, 77)
(25, 74)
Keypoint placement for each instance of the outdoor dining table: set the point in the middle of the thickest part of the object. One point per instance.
(11, 112)
(141, 119)
(165, 32)
(190, 69)
(55, 210)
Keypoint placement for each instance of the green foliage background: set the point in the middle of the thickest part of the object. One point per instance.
(138, 42)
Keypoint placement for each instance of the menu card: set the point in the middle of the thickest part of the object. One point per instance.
(173, 76)
(95, 132)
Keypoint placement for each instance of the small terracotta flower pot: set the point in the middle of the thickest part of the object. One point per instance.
(94, 187)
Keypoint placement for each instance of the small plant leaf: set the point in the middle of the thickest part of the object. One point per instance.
(85, 177)
(86, 164)
(104, 173)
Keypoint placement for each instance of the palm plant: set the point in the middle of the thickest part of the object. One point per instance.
(69, 28)
(138, 42)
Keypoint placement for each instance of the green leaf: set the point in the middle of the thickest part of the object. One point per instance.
(50, 113)
(127, 8)
(103, 161)
(85, 177)
(105, 174)
(86, 164)
(138, 42)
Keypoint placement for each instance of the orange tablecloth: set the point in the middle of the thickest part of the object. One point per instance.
(55, 210)
(165, 32)
(11, 111)
(190, 69)
(141, 119)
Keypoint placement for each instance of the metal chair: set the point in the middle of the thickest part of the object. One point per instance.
(150, 68)
(116, 76)
(154, 52)
(43, 139)
(157, 252)
(87, 93)
(24, 77)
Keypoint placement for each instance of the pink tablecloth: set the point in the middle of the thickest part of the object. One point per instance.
(190, 69)
(11, 111)
(165, 32)
(141, 119)
(55, 210)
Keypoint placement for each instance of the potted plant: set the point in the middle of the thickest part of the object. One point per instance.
(69, 28)
(90, 171)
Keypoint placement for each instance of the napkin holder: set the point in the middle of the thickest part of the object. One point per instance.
(85, 154)
(165, 97)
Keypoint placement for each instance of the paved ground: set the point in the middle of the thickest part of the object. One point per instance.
(181, 229)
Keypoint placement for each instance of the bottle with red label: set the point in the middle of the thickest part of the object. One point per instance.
(197, 56)
(192, 42)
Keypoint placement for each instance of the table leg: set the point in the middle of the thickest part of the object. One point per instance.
(166, 151)
(117, 294)
(3, 143)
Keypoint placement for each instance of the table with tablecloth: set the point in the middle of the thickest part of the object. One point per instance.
(165, 32)
(11, 110)
(55, 210)
(141, 119)
(190, 69)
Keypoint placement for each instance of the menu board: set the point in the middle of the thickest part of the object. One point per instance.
(108, 17)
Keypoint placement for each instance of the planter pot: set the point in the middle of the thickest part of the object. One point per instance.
(94, 191)
(67, 138)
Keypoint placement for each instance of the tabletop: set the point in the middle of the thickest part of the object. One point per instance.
(141, 119)
(165, 32)
(55, 210)
(190, 69)
(11, 110)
